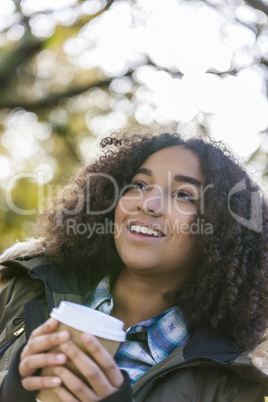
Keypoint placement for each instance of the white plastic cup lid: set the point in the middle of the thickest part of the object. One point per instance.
(88, 320)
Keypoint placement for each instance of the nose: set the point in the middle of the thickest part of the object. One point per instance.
(152, 203)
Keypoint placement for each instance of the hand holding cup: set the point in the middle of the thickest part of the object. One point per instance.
(87, 368)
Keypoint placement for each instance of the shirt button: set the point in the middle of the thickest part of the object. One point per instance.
(138, 328)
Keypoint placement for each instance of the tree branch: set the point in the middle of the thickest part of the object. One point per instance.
(258, 5)
(14, 58)
(52, 99)
(75, 7)
(29, 46)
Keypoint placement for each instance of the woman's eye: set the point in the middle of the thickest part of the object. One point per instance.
(138, 185)
(184, 196)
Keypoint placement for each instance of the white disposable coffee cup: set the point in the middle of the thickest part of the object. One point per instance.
(77, 319)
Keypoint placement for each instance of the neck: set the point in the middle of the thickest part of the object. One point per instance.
(138, 297)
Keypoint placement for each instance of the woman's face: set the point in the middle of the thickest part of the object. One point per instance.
(152, 233)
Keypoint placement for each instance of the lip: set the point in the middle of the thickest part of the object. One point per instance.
(149, 225)
(141, 237)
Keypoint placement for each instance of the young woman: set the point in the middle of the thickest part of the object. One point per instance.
(170, 236)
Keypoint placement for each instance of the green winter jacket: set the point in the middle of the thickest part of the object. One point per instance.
(206, 369)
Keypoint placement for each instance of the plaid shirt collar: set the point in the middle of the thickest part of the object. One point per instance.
(99, 298)
(171, 321)
(148, 342)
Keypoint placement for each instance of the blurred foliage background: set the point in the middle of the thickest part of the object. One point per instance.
(71, 71)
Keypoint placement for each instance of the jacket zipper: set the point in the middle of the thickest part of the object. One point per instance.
(162, 372)
(22, 329)
(8, 344)
(48, 293)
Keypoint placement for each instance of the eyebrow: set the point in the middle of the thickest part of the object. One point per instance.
(179, 177)
(146, 171)
(188, 179)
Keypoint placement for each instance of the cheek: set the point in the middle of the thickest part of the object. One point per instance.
(182, 216)
(119, 238)
(118, 218)
(183, 209)
(126, 207)
(179, 224)
(122, 212)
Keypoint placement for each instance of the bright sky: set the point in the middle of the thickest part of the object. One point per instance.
(176, 35)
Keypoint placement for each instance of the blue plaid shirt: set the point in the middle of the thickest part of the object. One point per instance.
(147, 342)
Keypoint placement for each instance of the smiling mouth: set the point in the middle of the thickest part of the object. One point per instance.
(144, 230)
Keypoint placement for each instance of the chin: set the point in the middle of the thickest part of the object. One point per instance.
(140, 266)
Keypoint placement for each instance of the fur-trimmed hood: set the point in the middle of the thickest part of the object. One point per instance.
(259, 357)
(29, 248)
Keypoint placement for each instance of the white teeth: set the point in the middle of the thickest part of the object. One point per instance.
(144, 230)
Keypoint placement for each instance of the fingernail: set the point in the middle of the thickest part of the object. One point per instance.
(86, 337)
(56, 380)
(50, 321)
(60, 358)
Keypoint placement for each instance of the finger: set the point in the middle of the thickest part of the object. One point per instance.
(75, 385)
(90, 370)
(36, 383)
(30, 364)
(44, 342)
(47, 327)
(64, 395)
(103, 358)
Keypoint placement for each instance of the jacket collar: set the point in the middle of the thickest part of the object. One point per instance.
(59, 285)
(215, 347)
(205, 348)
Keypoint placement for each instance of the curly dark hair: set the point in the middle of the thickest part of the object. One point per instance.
(228, 290)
